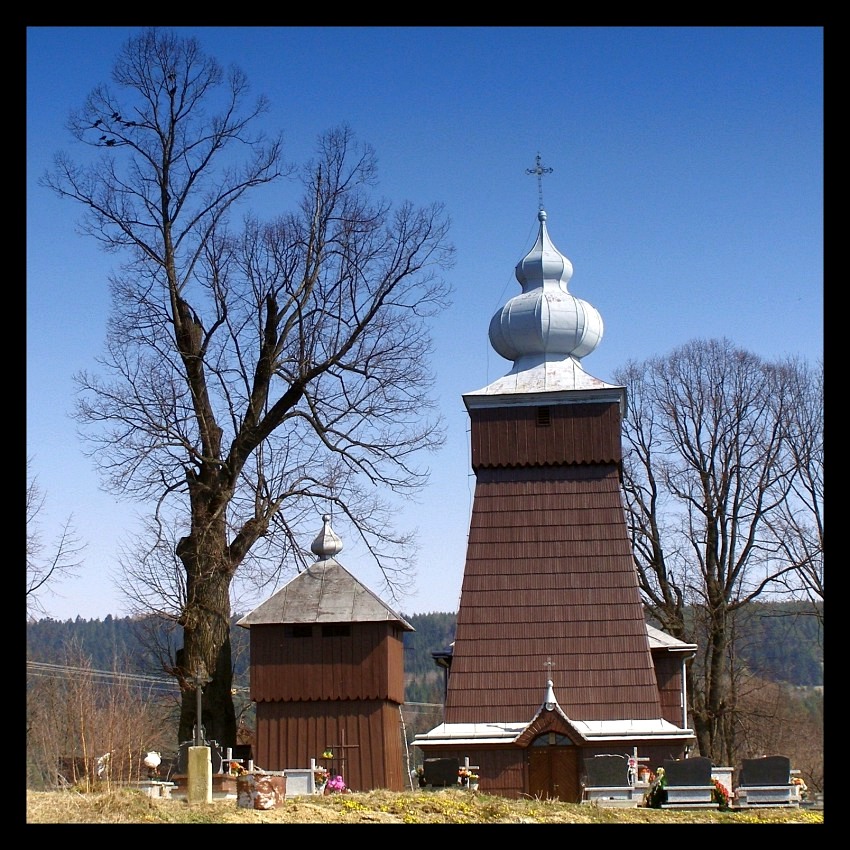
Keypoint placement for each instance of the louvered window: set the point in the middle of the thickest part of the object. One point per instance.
(544, 417)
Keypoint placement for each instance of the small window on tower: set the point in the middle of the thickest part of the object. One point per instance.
(300, 631)
(544, 418)
(336, 630)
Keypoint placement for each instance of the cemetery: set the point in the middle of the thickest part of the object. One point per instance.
(327, 653)
(616, 780)
(612, 780)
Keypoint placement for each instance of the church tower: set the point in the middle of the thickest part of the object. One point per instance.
(552, 661)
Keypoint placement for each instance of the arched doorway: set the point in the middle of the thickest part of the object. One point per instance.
(553, 768)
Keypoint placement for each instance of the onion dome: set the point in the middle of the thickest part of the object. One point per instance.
(327, 543)
(545, 322)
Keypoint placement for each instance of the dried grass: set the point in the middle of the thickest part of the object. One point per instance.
(419, 807)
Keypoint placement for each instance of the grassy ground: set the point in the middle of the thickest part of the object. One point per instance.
(443, 806)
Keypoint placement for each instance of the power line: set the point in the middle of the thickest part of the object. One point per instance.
(43, 669)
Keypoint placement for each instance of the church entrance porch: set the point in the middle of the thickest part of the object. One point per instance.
(553, 768)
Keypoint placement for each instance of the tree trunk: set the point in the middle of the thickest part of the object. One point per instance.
(206, 647)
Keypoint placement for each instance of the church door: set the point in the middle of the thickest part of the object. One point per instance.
(553, 768)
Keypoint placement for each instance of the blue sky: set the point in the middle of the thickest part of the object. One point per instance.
(687, 191)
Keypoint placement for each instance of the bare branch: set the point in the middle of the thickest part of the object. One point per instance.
(252, 379)
(47, 565)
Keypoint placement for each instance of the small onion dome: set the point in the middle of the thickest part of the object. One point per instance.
(327, 544)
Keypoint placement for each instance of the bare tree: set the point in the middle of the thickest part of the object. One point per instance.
(255, 378)
(709, 465)
(774, 717)
(47, 565)
(799, 523)
(87, 728)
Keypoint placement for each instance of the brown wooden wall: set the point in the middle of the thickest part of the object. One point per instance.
(367, 665)
(289, 734)
(576, 433)
(668, 674)
(501, 770)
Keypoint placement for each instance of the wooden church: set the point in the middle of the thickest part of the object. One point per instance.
(552, 661)
(327, 675)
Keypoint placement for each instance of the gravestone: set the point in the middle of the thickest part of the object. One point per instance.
(765, 782)
(770, 770)
(607, 782)
(692, 771)
(299, 782)
(183, 756)
(606, 771)
(441, 772)
(689, 784)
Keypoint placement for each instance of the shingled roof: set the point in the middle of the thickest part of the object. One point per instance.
(324, 593)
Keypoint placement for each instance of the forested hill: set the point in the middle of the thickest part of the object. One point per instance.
(778, 642)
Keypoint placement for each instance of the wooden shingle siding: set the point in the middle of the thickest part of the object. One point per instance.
(291, 734)
(327, 668)
(553, 580)
(549, 574)
(583, 434)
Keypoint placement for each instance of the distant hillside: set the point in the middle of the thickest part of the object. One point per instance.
(778, 642)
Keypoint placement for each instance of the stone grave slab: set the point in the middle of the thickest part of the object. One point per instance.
(606, 770)
(441, 772)
(769, 770)
(765, 782)
(689, 783)
(607, 782)
(299, 781)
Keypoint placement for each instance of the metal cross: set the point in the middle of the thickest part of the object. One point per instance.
(539, 170)
(550, 664)
(199, 680)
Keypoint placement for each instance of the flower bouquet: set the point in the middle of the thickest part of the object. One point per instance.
(320, 777)
(720, 795)
(657, 794)
(335, 785)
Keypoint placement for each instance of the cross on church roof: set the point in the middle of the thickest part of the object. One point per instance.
(539, 169)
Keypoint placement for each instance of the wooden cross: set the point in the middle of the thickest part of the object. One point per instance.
(469, 768)
(634, 761)
(343, 747)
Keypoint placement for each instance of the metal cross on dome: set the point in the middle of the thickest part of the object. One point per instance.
(539, 169)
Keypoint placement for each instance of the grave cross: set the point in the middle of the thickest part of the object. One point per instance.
(199, 680)
(342, 747)
(634, 761)
(468, 768)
